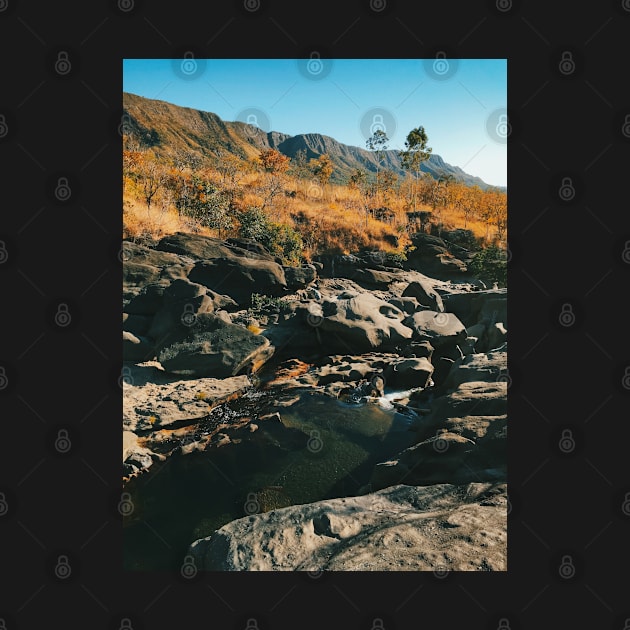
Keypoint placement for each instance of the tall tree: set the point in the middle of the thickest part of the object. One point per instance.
(377, 143)
(415, 152)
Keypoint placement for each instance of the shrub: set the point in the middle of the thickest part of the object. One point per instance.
(490, 264)
(280, 239)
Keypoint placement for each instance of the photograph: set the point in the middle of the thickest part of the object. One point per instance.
(314, 263)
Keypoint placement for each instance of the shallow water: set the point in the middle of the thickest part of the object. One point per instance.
(189, 497)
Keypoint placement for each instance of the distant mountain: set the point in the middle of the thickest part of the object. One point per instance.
(169, 128)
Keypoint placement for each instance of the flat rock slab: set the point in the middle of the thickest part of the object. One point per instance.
(152, 400)
(403, 528)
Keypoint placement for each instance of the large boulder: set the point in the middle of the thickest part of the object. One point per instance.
(474, 398)
(182, 302)
(402, 528)
(360, 322)
(299, 277)
(407, 373)
(199, 247)
(425, 294)
(154, 399)
(212, 347)
(473, 307)
(148, 301)
(489, 367)
(432, 257)
(441, 329)
(143, 265)
(240, 277)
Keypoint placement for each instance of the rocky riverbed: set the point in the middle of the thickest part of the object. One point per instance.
(394, 375)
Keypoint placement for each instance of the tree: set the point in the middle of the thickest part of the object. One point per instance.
(275, 165)
(416, 152)
(322, 168)
(359, 181)
(273, 161)
(388, 183)
(299, 164)
(153, 178)
(377, 143)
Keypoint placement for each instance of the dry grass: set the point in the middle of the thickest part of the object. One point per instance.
(329, 218)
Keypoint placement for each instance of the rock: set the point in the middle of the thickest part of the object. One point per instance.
(299, 277)
(176, 272)
(418, 349)
(494, 309)
(153, 399)
(443, 366)
(496, 336)
(439, 459)
(432, 257)
(408, 305)
(182, 302)
(148, 301)
(425, 294)
(136, 324)
(408, 373)
(239, 278)
(469, 306)
(361, 322)
(443, 526)
(139, 275)
(372, 278)
(133, 253)
(441, 329)
(211, 347)
(198, 247)
(476, 398)
(477, 367)
(137, 349)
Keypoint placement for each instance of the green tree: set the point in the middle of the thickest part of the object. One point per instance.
(322, 168)
(415, 152)
(377, 143)
(359, 181)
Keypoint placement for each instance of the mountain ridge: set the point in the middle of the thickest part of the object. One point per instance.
(166, 127)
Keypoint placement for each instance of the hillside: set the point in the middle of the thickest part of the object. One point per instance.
(169, 128)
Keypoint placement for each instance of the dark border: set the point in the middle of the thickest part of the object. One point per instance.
(569, 509)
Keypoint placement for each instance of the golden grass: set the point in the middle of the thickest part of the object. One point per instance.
(329, 218)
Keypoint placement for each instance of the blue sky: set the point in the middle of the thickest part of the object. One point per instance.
(461, 103)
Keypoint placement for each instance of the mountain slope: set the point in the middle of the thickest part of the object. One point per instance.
(169, 128)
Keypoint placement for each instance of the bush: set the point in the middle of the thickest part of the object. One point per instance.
(280, 239)
(395, 259)
(264, 304)
(490, 264)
